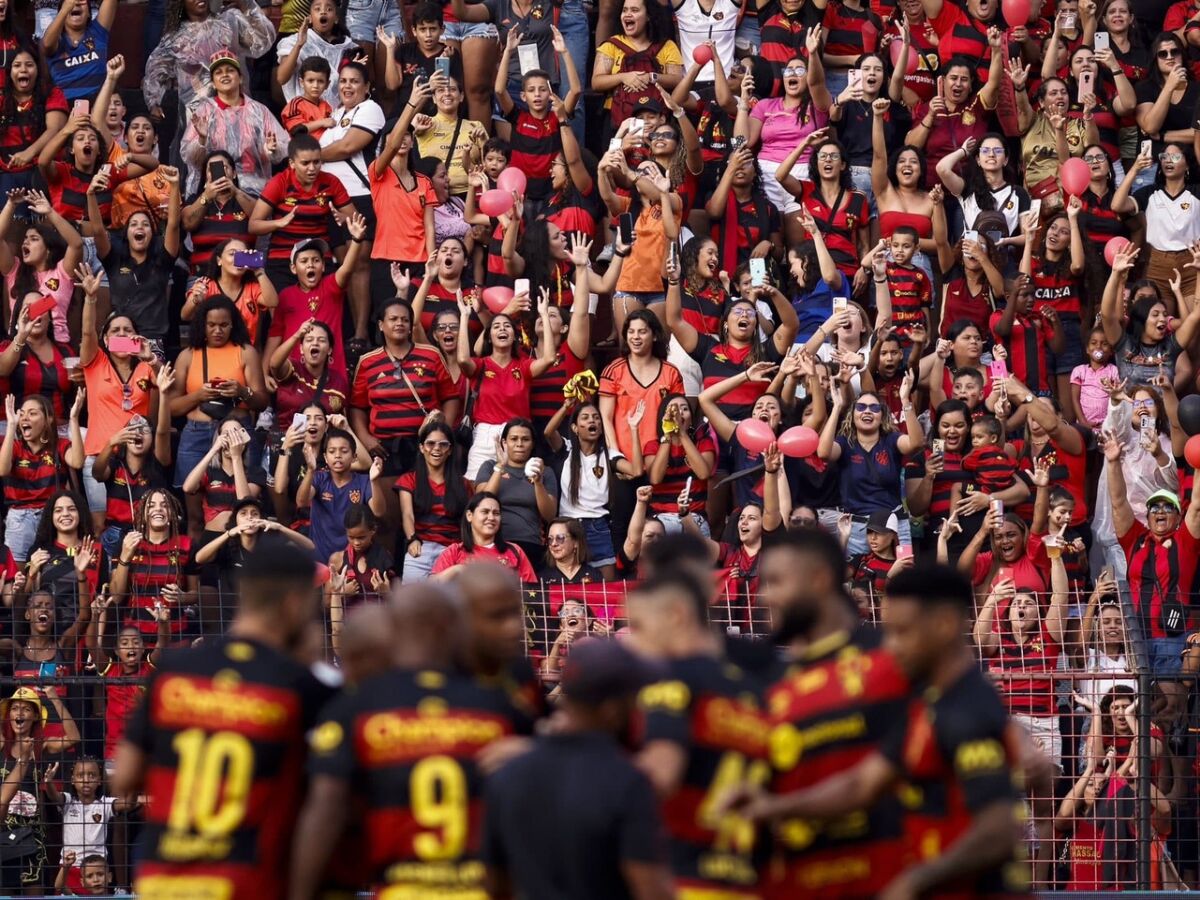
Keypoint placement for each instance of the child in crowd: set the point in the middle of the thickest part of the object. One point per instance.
(309, 112)
(86, 812)
(1088, 395)
(332, 490)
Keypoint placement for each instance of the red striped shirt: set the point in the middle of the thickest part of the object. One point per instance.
(664, 497)
(153, 567)
(220, 223)
(435, 524)
(313, 207)
(35, 476)
(382, 391)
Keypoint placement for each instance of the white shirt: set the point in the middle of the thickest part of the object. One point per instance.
(1172, 223)
(718, 26)
(85, 826)
(366, 116)
(1008, 202)
(314, 45)
(593, 491)
(1101, 663)
(1143, 476)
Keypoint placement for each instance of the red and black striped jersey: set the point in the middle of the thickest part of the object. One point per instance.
(125, 487)
(912, 297)
(220, 222)
(664, 496)
(434, 524)
(1098, 221)
(963, 35)
(708, 708)
(956, 750)
(68, 191)
(872, 570)
(1026, 347)
(1054, 285)
(720, 361)
(990, 469)
(535, 142)
(702, 309)
(26, 126)
(407, 743)
(496, 275)
(222, 728)
(313, 207)
(850, 32)
(714, 128)
(380, 388)
(943, 482)
(36, 474)
(752, 220)
(839, 227)
(50, 379)
(218, 489)
(959, 303)
(1037, 660)
(546, 391)
(783, 36)
(831, 709)
(152, 568)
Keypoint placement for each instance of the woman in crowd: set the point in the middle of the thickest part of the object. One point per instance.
(48, 255)
(638, 54)
(63, 535)
(32, 111)
(481, 539)
(1049, 135)
(991, 196)
(898, 187)
(302, 374)
(433, 498)
(526, 486)
(301, 440)
(445, 278)
(220, 211)
(250, 290)
(220, 478)
(447, 135)
(567, 560)
(745, 223)
(815, 279)
(678, 461)
(972, 279)
(929, 479)
(1166, 99)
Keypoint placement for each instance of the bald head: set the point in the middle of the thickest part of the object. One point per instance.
(367, 640)
(425, 625)
(495, 615)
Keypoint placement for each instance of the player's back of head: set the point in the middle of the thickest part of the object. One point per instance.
(933, 584)
(272, 570)
(426, 625)
(816, 544)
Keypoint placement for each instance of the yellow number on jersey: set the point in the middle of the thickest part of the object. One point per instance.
(733, 832)
(212, 783)
(437, 792)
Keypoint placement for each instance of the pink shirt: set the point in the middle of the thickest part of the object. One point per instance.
(783, 129)
(1093, 398)
(54, 282)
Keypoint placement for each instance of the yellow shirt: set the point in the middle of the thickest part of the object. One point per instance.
(436, 142)
(1038, 151)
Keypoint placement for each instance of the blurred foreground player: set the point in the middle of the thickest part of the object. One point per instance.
(955, 750)
(219, 743)
(573, 817)
(703, 732)
(838, 697)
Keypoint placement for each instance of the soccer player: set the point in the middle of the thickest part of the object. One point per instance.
(954, 748)
(402, 749)
(831, 707)
(703, 731)
(219, 743)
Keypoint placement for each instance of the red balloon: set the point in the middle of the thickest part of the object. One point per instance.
(322, 575)
(1075, 176)
(799, 441)
(1191, 451)
(1016, 12)
(755, 435)
(497, 298)
(1114, 246)
(512, 181)
(495, 203)
(702, 55)
(894, 49)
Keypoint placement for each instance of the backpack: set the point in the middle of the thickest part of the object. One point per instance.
(624, 101)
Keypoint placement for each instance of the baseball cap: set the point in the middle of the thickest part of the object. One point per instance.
(224, 56)
(310, 244)
(883, 520)
(26, 695)
(245, 502)
(1170, 496)
(600, 669)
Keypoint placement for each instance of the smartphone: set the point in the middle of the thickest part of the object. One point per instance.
(442, 64)
(1087, 81)
(300, 420)
(521, 286)
(971, 236)
(738, 142)
(939, 446)
(1147, 148)
(855, 76)
(216, 382)
(687, 487)
(124, 345)
(625, 228)
(247, 259)
(1147, 424)
(996, 237)
(528, 58)
(997, 370)
(1004, 573)
(39, 308)
(81, 108)
(673, 255)
(840, 304)
(758, 272)
(903, 552)
(216, 169)
(636, 127)
(1100, 41)
(614, 144)
(1035, 207)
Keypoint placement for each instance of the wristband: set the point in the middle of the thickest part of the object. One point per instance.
(879, 280)
(121, 562)
(355, 240)
(623, 255)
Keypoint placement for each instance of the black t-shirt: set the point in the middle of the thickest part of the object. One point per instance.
(561, 819)
(1180, 116)
(413, 62)
(854, 129)
(141, 291)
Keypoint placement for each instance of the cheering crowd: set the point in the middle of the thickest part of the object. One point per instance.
(400, 290)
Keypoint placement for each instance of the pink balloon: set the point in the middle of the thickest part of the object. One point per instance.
(1113, 247)
(702, 55)
(754, 435)
(322, 575)
(799, 441)
(495, 203)
(1074, 175)
(1016, 12)
(512, 181)
(894, 49)
(497, 298)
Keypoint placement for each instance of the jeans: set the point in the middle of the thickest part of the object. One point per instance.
(749, 34)
(836, 81)
(418, 568)
(860, 177)
(573, 24)
(1165, 654)
(194, 441)
(20, 528)
(599, 541)
(153, 20)
(673, 525)
(364, 16)
(111, 540)
(97, 494)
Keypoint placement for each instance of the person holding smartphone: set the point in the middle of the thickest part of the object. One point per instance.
(236, 272)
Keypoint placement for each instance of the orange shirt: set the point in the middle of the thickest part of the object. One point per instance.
(107, 398)
(400, 216)
(224, 363)
(618, 381)
(248, 302)
(643, 270)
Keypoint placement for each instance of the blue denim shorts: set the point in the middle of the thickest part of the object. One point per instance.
(1072, 355)
(599, 541)
(461, 31)
(364, 16)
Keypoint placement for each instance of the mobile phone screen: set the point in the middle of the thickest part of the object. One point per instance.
(124, 345)
(758, 272)
(625, 226)
(216, 169)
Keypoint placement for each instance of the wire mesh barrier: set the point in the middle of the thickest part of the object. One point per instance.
(1112, 789)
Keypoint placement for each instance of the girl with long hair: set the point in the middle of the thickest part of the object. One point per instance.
(481, 540)
(32, 109)
(64, 533)
(638, 54)
(220, 211)
(34, 462)
(899, 189)
(250, 290)
(526, 486)
(364, 566)
(33, 362)
(678, 462)
(49, 252)
(433, 498)
(303, 375)
(990, 194)
(1167, 98)
(551, 262)
(745, 223)
(221, 478)
(641, 374)
(972, 280)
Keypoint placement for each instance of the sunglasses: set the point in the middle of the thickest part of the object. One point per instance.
(663, 136)
(829, 156)
(436, 445)
(795, 72)
(1161, 506)
(445, 327)
(558, 538)
(868, 407)
(1094, 158)
(1171, 157)
(1168, 52)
